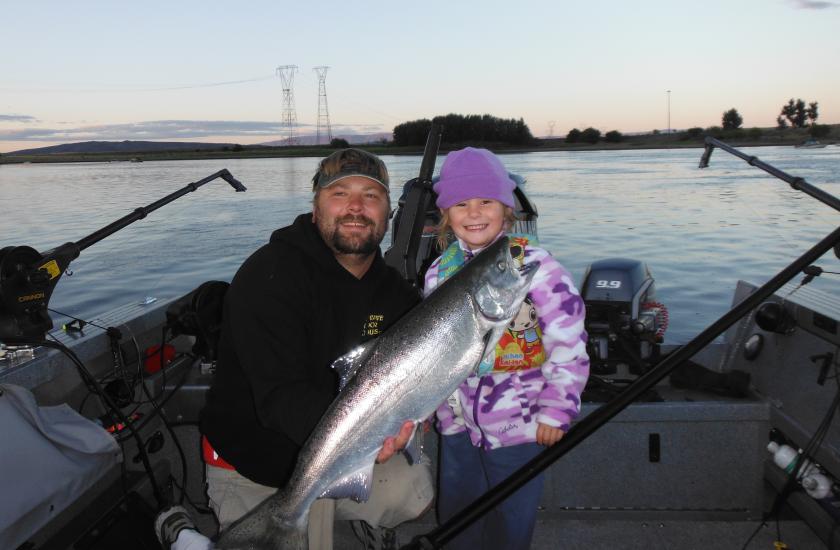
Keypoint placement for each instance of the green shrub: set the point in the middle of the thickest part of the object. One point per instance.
(731, 119)
(613, 136)
(590, 135)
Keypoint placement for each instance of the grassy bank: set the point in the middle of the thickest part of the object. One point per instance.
(738, 138)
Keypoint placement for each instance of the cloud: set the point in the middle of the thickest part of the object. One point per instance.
(168, 130)
(813, 4)
(149, 130)
(17, 118)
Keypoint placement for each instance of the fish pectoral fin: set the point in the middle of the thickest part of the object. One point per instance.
(488, 355)
(355, 485)
(347, 365)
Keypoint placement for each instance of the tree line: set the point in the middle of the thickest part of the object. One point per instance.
(593, 135)
(796, 113)
(461, 128)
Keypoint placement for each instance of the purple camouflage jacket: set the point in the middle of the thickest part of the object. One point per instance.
(501, 409)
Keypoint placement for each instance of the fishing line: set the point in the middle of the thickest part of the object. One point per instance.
(754, 533)
(82, 321)
(135, 90)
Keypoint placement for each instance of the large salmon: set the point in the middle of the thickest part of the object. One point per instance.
(404, 374)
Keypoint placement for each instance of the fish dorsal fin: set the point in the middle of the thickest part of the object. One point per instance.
(355, 485)
(347, 365)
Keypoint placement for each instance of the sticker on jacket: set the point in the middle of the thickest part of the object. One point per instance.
(521, 347)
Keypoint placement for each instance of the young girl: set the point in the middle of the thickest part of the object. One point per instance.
(525, 397)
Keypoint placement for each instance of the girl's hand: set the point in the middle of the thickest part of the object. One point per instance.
(392, 445)
(548, 436)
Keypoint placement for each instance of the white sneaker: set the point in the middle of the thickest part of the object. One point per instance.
(169, 524)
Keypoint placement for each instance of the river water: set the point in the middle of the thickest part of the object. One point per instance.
(699, 231)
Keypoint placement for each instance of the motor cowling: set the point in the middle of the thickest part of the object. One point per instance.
(624, 321)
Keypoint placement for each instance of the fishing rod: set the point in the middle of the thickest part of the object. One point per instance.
(28, 277)
(600, 416)
(403, 252)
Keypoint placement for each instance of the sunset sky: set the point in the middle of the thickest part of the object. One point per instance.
(205, 71)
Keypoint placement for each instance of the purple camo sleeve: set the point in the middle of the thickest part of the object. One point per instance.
(561, 313)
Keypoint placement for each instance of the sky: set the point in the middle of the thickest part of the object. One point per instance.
(206, 71)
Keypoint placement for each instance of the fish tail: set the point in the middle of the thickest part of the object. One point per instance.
(276, 537)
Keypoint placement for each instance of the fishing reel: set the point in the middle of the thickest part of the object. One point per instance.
(27, 281)
(626, 325)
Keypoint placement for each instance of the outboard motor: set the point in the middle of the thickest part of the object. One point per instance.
(624, 322)
(426, 251)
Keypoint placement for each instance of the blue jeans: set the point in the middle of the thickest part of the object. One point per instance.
(467, 472)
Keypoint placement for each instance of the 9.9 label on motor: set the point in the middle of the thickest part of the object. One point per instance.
(607, 284)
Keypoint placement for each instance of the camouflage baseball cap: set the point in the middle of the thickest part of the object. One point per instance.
(350, 162)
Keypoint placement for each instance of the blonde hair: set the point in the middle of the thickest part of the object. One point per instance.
(444, 228)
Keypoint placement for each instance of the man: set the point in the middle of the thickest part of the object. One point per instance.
(316, 290)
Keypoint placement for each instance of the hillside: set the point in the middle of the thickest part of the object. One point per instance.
(120, 147)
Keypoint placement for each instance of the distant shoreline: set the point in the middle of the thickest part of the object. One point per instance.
(788, 137)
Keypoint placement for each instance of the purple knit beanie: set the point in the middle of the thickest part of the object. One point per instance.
(473, 174)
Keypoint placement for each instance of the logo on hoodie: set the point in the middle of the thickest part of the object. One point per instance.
(373, 325)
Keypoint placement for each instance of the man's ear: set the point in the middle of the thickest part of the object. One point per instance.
(315, 207)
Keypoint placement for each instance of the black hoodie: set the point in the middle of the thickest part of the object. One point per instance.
(290, 311)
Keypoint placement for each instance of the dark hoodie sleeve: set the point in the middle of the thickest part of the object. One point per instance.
(265, 306)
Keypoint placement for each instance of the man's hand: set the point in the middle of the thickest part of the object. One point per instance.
(548, 436)
(394, 444)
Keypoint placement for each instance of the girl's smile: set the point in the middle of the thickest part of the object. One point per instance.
(477, 221)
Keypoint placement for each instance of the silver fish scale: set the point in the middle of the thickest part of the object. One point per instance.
(404, 375)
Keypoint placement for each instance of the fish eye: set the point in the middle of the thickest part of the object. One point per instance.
(501, 265)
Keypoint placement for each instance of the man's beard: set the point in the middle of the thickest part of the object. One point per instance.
(356, 245)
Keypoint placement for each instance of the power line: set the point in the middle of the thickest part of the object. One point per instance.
(26, 89)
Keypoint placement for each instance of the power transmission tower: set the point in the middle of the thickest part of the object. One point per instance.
(551, 124)
(323, 110)
(287, 76)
